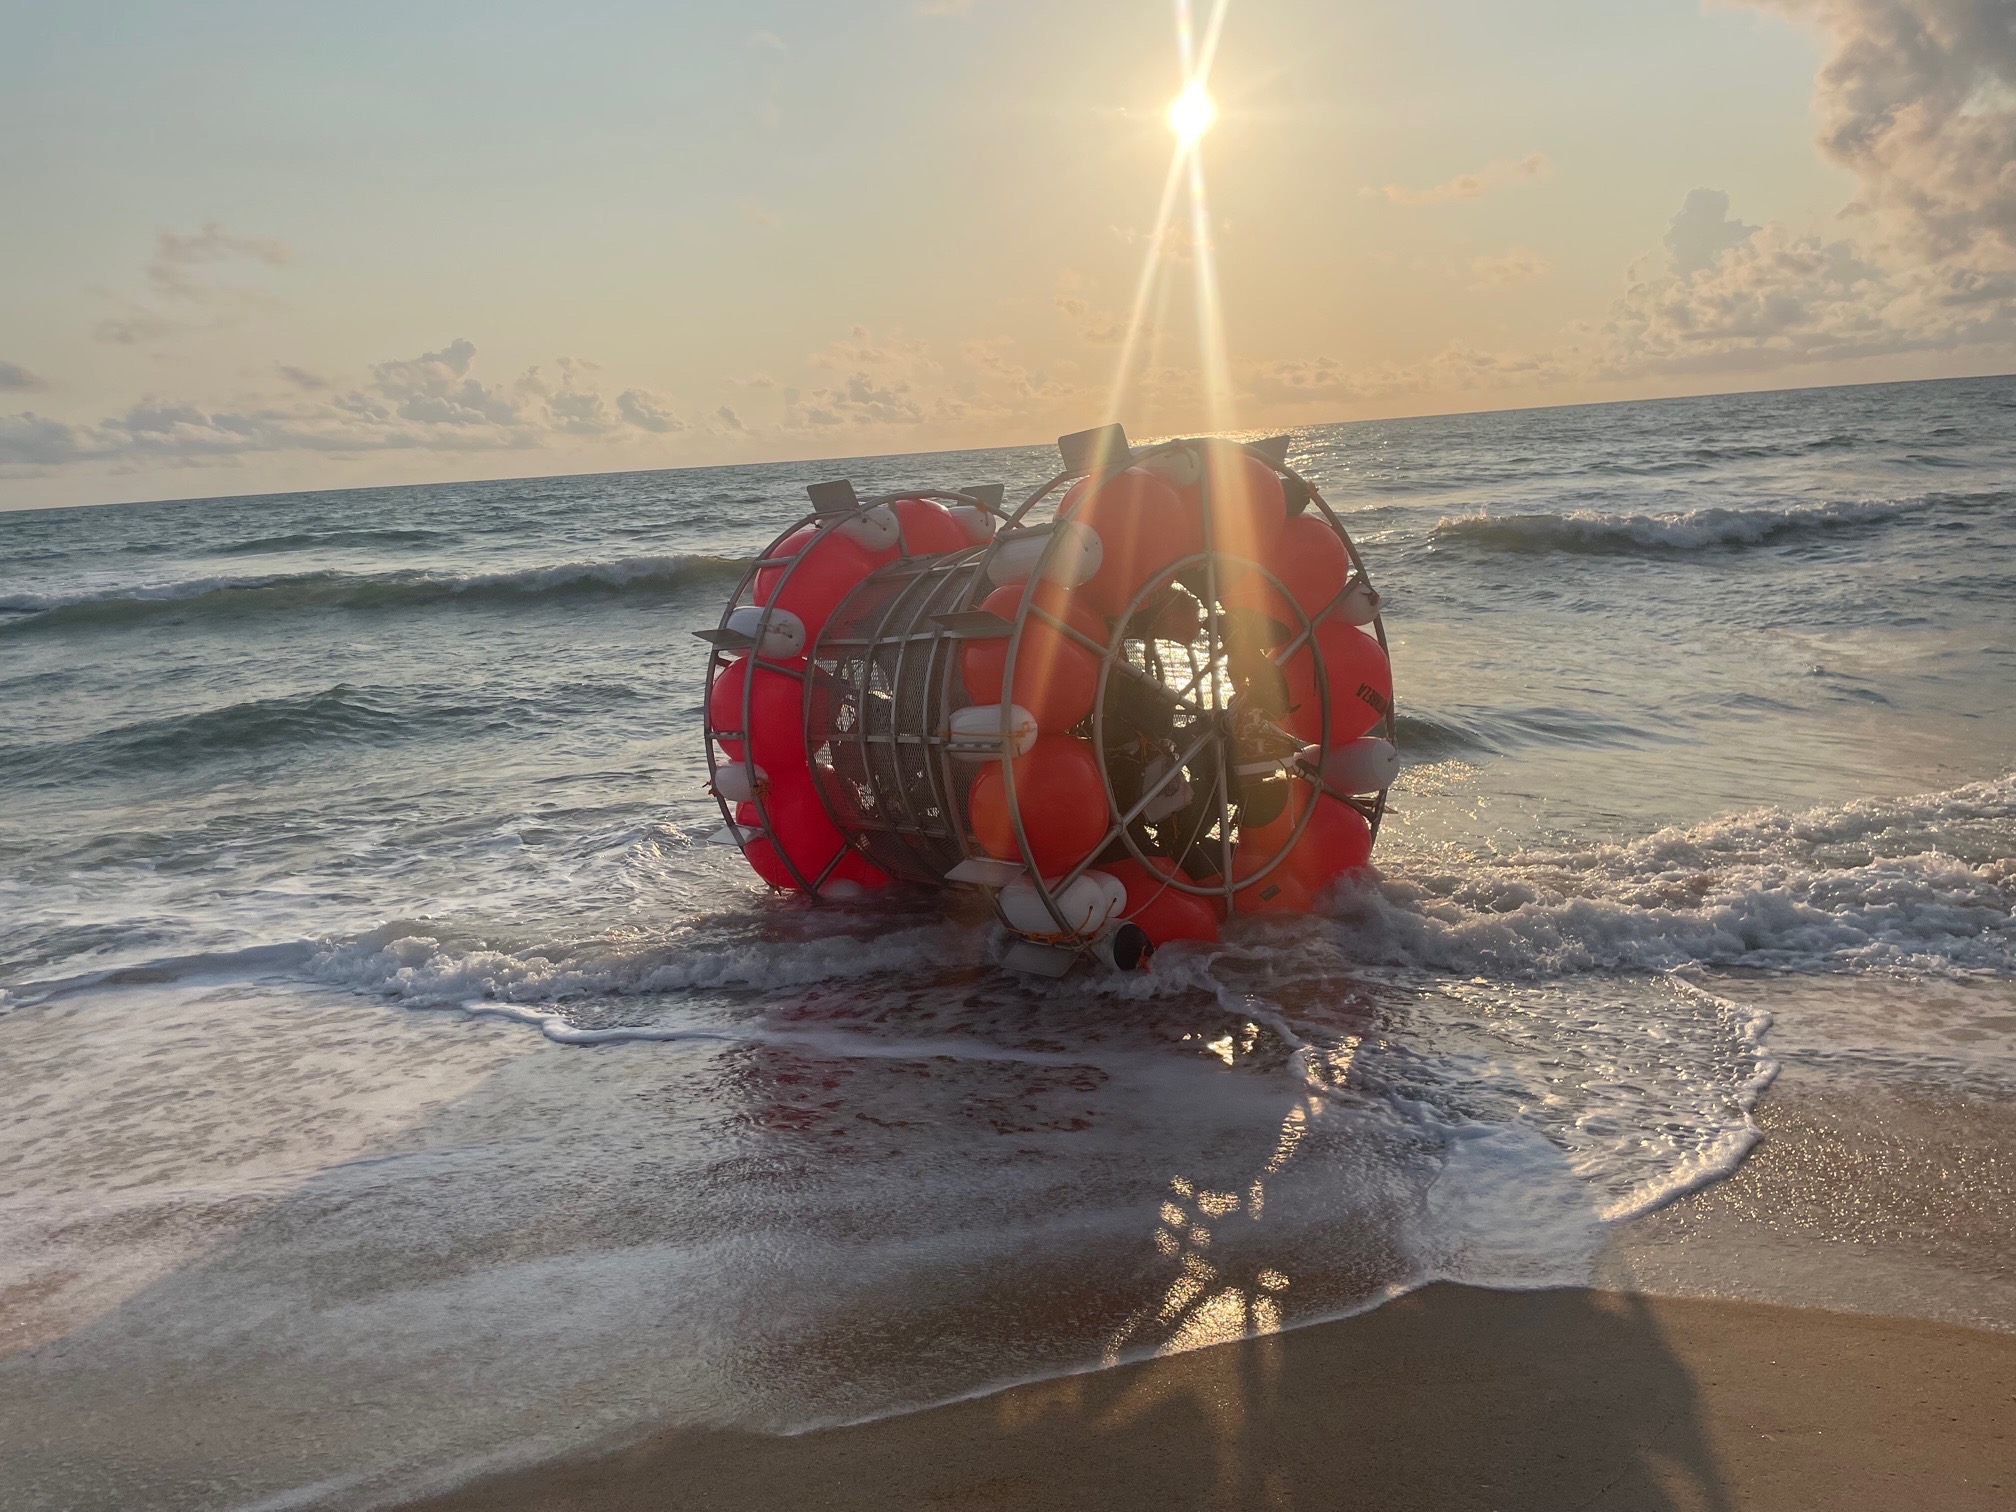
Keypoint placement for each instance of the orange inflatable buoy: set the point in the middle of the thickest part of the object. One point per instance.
(1309, 559)
(929, 528)
(1359, 678)
(1055, 677)
(1165, 913)
(830, 566)
(802, 831)
(1280, 891)
(775, 738)
(1062, 799)
(1144, 527)
(1249, 508)
(1336, 841)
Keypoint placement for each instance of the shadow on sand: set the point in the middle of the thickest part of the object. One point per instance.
(1452, 1398)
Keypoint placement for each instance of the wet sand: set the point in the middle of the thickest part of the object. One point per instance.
(1452, 1398)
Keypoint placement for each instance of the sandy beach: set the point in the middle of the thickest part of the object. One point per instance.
(1449, 1398)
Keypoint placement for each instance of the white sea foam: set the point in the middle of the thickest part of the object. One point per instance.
(1693, 530)
(340, 588)
(1924, 883)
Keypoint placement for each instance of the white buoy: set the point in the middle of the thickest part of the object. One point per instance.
(979, 524)
(1365, 765)
(1086, 905)
(980, 733)
(1360, 605)
(776, 633)
(738, 781)
(1067, 554)
(875, 529)
(1171, 788)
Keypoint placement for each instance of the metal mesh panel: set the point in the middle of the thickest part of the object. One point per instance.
(894, 684)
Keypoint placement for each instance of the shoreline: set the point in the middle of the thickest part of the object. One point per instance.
(1449, 1397)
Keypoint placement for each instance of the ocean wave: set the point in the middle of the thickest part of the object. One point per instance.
(302, 721)
(326, 540)
(1440, 734)
(403, 961)
(1590, 532)
(1920, 884)
(269, 592)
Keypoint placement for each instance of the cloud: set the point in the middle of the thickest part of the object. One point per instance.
(15, 378)
(757, 213)
(767, 41)
(174, 269)
(857, 400)
(728, 419)
(1774, 297)
(433, 402)
(647, 411)
(1095, 326)
(1453, 370)
(1504, 173)
(1703, 231)
(1918, 101)
(1515, 265)
(192, 281)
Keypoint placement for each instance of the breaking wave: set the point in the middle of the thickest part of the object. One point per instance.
(1923, 884)
(1592, 533)
(1919, 884)
(343, 590)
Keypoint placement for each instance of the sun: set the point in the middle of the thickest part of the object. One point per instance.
(1191, 113)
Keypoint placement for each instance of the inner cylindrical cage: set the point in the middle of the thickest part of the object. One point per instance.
(890, 678)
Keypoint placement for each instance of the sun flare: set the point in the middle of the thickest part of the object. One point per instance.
(1191, 113)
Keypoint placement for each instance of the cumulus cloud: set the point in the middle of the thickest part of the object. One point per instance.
(879, 381)
(1504, 173)
(647, 411)
(17, 379)
(1774, 297)
(1703, 231)
(435, 401)
(1917, 99)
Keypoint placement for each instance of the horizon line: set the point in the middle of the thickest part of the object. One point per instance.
(880, 456)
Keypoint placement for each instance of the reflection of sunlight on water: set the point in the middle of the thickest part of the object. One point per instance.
(1202, 1304)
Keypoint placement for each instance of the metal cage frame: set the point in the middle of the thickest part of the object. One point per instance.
(924, 608)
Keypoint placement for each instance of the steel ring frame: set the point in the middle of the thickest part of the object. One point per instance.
(967, 570)
(806, 675)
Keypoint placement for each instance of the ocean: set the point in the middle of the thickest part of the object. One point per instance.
(397, 1083)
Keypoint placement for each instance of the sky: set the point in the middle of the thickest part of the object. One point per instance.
(254, 247)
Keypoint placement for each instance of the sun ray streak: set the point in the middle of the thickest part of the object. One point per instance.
(1210, 314)
(1196, 51)
(1144, 289)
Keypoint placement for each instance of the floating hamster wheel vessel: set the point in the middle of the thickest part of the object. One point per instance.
(1164, 702)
